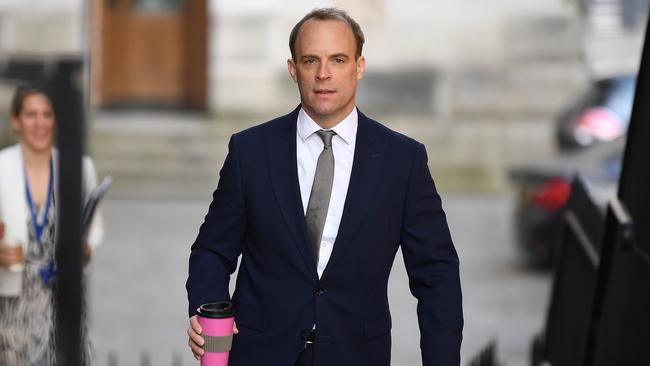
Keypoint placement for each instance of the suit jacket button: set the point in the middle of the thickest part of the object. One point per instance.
(319, 291)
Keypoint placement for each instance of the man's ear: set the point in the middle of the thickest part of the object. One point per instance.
(291, 66)
(361, 67)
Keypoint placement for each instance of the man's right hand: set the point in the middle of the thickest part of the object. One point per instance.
(196, 342)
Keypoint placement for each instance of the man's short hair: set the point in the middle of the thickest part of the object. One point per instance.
(328, 14)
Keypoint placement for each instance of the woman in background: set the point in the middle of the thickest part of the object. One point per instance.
(28, 195)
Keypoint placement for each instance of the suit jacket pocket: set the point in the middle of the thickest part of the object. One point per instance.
(250, 316)
(376, 327)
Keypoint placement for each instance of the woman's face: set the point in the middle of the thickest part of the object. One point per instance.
(35, 123)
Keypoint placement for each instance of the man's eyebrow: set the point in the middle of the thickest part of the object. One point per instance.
(336, 55)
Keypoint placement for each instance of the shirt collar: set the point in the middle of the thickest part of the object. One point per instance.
(346, 129)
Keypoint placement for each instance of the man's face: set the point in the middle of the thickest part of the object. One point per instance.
(326, 70)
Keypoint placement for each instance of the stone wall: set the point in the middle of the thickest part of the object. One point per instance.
(41, 27)
(443, 58)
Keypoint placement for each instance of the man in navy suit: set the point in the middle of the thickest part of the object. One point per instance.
(317, 203)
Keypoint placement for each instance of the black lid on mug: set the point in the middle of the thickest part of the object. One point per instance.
(216, 310)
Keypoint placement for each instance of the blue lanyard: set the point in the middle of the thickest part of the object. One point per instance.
(39, 227)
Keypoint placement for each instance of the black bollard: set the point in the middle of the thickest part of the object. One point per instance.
(64, 85)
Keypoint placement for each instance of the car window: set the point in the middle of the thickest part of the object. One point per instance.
(620, 97)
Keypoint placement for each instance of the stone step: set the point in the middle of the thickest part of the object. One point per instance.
(144, 150)
(526, 90)
(543, 38)
(126, 187)
(156, 155)
(464, 156)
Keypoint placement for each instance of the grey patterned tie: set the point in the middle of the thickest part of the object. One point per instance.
(321, 190)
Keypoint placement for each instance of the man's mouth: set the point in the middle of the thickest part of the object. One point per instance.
(324, 91)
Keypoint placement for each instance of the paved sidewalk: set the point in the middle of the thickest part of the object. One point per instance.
(138, 301)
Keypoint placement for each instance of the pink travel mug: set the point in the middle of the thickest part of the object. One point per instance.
(216, 320)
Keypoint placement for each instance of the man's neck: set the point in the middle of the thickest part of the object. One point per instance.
(329, 122)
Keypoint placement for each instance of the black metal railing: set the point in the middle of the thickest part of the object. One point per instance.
(601, 293)
(486, 356)
(566, 334)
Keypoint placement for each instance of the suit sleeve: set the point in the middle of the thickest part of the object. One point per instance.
(433, 268)
(214, 254)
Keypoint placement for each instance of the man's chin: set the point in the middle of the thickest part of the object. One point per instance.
(321, 111)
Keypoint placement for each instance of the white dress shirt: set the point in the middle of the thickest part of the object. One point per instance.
(309, 146)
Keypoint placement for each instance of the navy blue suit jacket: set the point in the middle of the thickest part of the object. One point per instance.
(257, 212)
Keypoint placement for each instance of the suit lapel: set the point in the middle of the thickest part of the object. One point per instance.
(366, 170)
(284, 180)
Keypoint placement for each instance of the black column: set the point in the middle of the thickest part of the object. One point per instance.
(65, 85)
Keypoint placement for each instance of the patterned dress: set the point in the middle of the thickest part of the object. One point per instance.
(27, 322)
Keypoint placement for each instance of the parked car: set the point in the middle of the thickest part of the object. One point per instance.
(601, 114)
(544, 189)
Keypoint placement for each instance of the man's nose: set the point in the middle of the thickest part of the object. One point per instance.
(323, 72)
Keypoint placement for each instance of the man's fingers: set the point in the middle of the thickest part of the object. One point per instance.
(195, 340)
(196, 350)
(195, 337)
(195, 325)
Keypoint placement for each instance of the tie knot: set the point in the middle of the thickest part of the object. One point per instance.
(326, 136)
